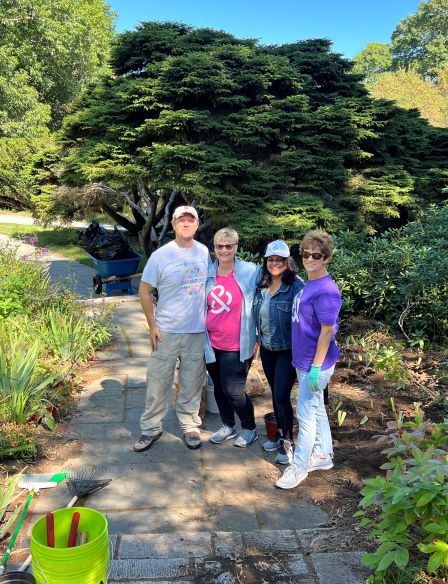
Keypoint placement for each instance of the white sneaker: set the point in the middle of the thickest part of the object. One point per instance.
(271, 445)
(292, 477)
(223, 434)
(318, 462)
(285, 452)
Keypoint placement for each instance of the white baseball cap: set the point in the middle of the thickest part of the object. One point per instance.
(185, 210)
(277, 248)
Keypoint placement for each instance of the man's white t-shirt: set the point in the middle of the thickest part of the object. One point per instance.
(179, 274)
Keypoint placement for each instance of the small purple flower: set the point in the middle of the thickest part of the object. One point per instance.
(25, 258)
(32, 240)
(43, 250)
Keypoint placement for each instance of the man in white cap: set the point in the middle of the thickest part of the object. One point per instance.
(178, 270)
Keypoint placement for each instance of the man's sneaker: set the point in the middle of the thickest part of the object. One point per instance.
(272, 445)
(223, 434)
(285, 452)
(292, 477)
(246, 438)
(318, 462)
(192, 439)
(145, 442)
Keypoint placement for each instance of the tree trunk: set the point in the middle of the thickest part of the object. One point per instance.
(118, 218)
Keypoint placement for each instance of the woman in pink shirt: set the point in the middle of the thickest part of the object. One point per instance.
(230, 337)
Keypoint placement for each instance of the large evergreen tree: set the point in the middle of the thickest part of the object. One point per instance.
(273, 140)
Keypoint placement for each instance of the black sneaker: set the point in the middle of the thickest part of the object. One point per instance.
(145, 442)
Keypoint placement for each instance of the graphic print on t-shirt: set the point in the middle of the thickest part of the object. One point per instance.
(221, 299)
(192, 281)
(296, 306)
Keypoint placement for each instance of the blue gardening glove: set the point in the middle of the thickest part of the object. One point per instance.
(313, 377)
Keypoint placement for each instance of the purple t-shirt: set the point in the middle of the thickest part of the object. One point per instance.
(318, 303)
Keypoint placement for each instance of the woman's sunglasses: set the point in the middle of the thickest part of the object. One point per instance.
(227, 246)
(314, 255)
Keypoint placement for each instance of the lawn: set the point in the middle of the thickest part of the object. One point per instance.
(60, 239)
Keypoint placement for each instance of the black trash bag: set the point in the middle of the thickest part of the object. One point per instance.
(103, 244)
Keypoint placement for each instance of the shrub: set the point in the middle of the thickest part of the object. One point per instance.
(22, 385)
(412, 498)
(17, 441)
(398, 277)
(23, 282)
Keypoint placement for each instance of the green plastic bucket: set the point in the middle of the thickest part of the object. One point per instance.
(84, 564)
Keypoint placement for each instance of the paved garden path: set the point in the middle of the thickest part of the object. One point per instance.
(180, 516)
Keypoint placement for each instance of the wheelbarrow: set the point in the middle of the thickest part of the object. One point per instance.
(115, 274)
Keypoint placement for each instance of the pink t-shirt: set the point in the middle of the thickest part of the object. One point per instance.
(223, 321)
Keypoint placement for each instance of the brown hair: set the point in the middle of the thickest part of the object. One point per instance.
(320, 239)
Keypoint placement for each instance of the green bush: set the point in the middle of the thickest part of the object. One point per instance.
(412, 498)
(398, 277)
(23, 281)
(43, 333)
(17, 441)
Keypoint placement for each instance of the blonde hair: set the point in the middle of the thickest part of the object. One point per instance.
(227, 233)
(320, 239)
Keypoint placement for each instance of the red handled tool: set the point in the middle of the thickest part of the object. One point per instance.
(73, 530)
(50, 530)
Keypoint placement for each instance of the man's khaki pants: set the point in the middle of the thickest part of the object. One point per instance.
(189, 349)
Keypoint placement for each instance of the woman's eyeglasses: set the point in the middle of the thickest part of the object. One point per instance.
(315, 255)
(227, 246)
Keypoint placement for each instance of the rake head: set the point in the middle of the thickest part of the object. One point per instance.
(88, 480)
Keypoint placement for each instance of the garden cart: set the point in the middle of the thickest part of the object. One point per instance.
(115, 274)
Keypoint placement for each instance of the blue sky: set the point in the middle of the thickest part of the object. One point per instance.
(350, 24)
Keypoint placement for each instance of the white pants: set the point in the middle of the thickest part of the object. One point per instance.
(314, 427)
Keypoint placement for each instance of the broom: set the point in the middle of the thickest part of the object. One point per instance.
(33, 483)
(84, 482)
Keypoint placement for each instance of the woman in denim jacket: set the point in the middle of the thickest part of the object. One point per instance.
(273, 303)
(230, 337)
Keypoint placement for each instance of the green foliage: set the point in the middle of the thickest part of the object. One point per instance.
(43, 332)
(7, 497)
(23, 386)
(273, 140)
(398, 277)
(70, 335)
(412, 498)
(420, 39)
(57, 46)
(376, 58)
(17, 441)
(23, 282)
(409, 90)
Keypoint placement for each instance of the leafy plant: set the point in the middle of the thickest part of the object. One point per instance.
(412, 498)
(17, 441)
(71, 336)
(22, 385)
(7, 497)
(341, 417)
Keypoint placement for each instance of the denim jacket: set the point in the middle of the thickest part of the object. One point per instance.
(280, 308)
(246, 276)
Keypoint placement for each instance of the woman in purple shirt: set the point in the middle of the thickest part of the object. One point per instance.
(314, 325)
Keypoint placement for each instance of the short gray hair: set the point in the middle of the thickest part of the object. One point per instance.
(227, 233)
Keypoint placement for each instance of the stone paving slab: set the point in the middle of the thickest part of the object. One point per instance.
(141, 569)
(102, 431)
(153, 485)
(166, 545)
(340, 567)
(294, 515)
